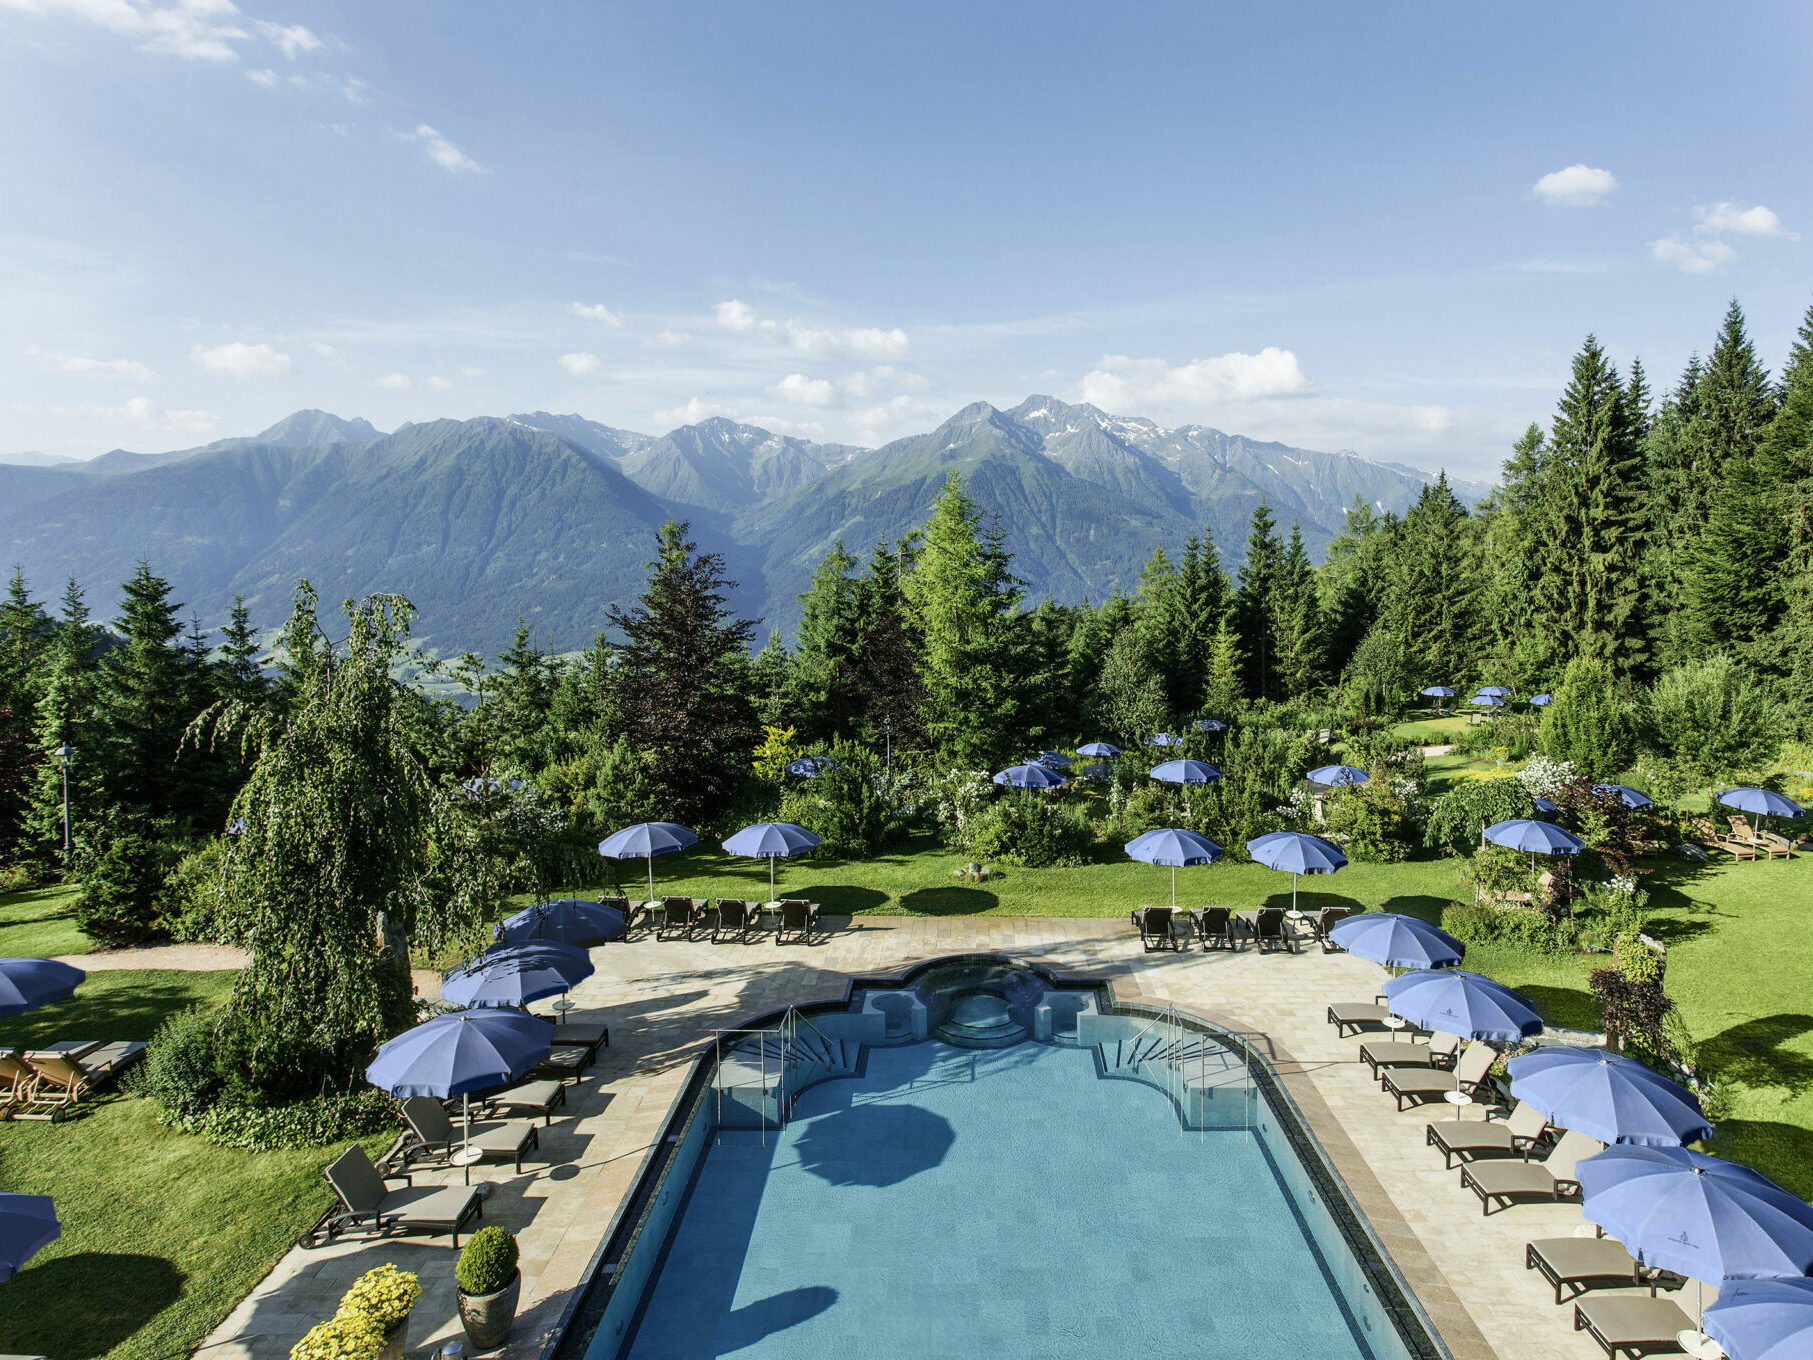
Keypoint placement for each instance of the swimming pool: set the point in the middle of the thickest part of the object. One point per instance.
(966, 1201)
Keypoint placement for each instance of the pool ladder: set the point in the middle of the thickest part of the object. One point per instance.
(760, 1073)
(1187, 1057)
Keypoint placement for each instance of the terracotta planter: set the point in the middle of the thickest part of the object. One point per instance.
(396, 1341)
(487, 1317)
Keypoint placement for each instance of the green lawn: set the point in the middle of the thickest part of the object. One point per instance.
(41, 923)
(163, 1232)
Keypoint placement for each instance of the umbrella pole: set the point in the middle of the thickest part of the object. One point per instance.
(651, 880)
(771, 878)
(465, 1122)
(1173, 887)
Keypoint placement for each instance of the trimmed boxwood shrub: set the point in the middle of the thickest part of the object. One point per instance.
(487, 1262)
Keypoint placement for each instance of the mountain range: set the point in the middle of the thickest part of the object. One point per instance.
(551, 518)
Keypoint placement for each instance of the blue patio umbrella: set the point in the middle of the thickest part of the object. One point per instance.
(1631, 798)
(1542, 700)
(1763, 1319)
(1295, 853)
(1533, 837)
(1095, 772)
(29, 983)
(1763, 802)
(1338, 776)
(1211, 725)
(1029, 777)
(1680, 1210)
(772, 841)
(1486, 701)
(1105, 750)
(1173, 846)
(810, 767)
(1608, 1097)
(1437, 692)
(1496, 691)
(566, 920)
(1545, 807)
(1454, 1001)
(457, 1054)
(1053, 760)
(516, 974)
(645, 840)
(27, 1222)
(1164, 739)
(1397, 941)
(1186, 772)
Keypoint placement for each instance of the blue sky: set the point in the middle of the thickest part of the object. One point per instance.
(1383, 228)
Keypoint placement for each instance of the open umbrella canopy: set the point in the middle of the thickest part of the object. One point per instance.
(1763, 1319)
(566, 920)
(1338, 776)
(1103, 750)
(1397, 941)
(466, 1051)
(1545, 807)
(645, 840)
(1453, 1001)
(1186, 772)
(1631, 798)
(1029, 777)
(1437, 691)
(1542, 700)
(772, 840)
(29, 983)
(27, 1222)
(1095, 772)
(1763, 802)
(1608, 1097)
(516, 974)
(1535, 838)
(1053, 760)
(1486, 701)
(810, 767)
(1211, 725)
(1680, 1210)
(1296, 852)
(1496, 691)
(1173, 846)
(1164, 739)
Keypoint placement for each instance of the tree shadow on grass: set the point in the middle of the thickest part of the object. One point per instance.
(1756, 1053)
(846, 899)
(953, 900)
(1311, 902)
(1782, 1152)
(84, 1304)
(1423, 906)
(1568, 1007)
(107, 1007)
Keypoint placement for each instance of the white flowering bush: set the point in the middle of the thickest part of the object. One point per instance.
(959, 797)
(1544, 777)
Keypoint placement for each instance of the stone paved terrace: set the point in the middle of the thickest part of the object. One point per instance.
(663, 1000)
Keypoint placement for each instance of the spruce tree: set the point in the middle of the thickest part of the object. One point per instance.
(1255, 606)
(1788, 447)
(519, 695)
(1430, 602)
(1200, 602)
(238, 677)
(889, 687)
(150, 689)
(1349, 582)
(1223, 689)
(823, 687)
(22, 628)
(1156, 616)
(1297, 622)
(65, 718)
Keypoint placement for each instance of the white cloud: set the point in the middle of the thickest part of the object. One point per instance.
(130, 369)
(1728, 217)
(796, 389)
(869, 342)
(290, 39)
(472, 373)
(900, 415)
(869, 382)
(440, 384)
(1578, 186)
(691, 413)
(199, 30)
(669, 339)
(396, 382)
(443, 152)
(142, 414)
(581, 364)
(1128, 386)
(1699, 255)
(327, 352)
(596, 311)
(240, 360)
(263, 76)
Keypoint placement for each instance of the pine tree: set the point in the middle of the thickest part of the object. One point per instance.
(1156, 616)
(1519, 523)
(65, 718)
(238, 678)
(823, 688)
(1788, 446)
(1297, 622)
(1223, 689)
(515, 713)
(1432, 589)
(1637, 401)
(150, 688)
(1255, 609)
(1677, 500)
(1129, 700)
(22, 627)
(1200, 604)
(768, 688)
(889, 687)
(1349, 581)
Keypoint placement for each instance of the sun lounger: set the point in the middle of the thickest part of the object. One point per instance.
(1438, 1052)
(529, 1097)
(1319, 925)
(1216, 927)
(799, 918)
(1633, 1327)
(581, 1034)
(1157, 927)
(736, 917)
(17, 1077)
(367, 1200)
(434, 1135)
(565, 1062)
(66, 1072)
(1471, 1139)
(1431, 1083)
(1775, 845)
(1577, 1264)
(1349, 1016)
(1505, 1183)
(1714, 839)
(678, 917)
(1267, 925)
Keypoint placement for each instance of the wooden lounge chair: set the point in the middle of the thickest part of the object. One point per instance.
(1418, 1084)
(1268, 929)
(1505, 1183)
(528, 1097)
(1470, 1139)
(1349, 1016)
(68, 1071)
(366, 1200)
(1633, 1327)
(678, 917)
(1156, 927)
(1775, 845)
(1714, 839)
(1438, 1052)
(1767, 844)
(1577, 1264)
(1215, 927)
(17, 1077)
(1322, 920)
(799, 918)
(434, 1135)
(735, 917)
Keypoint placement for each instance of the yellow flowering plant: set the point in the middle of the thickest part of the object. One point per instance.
(384, 1294)
(344, 1336)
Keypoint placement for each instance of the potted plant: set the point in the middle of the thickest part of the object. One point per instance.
(489, 1284)
(385, 1295)
(347, 1335)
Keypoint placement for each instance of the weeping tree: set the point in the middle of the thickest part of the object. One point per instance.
(331, 864)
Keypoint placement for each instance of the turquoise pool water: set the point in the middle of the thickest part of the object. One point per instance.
(959, 1203)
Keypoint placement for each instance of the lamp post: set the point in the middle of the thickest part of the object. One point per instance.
(64, 752)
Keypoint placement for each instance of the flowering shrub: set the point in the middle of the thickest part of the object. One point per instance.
(1544, 777)
(345, 1336)
(959, 795)
(383, 1294)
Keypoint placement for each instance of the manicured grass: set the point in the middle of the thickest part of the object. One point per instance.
(163, 1232)
(1433, 731)
(41, 923)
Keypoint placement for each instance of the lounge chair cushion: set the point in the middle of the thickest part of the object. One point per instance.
(1628, 1326)
(535, 1097)
(1550, 1179)
(1472, 1138)
(1579, 1263)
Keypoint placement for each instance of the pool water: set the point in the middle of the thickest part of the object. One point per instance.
(960, 1203)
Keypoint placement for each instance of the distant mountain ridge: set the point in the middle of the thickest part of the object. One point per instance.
(551, 517)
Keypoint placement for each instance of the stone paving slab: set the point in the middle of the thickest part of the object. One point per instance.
(665, 1000)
